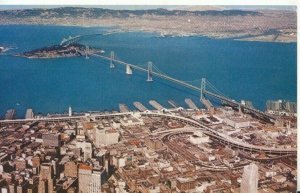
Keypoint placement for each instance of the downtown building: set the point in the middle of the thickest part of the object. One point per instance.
(105, 136)
(46, 179)
(89, 179)
(249, 182)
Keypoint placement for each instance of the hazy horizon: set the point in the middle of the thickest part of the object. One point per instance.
(146, 7)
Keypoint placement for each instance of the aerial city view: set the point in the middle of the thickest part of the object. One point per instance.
(150, 99)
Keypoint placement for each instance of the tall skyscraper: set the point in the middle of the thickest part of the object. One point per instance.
(89, 179)
(46, 181)
(249, 182)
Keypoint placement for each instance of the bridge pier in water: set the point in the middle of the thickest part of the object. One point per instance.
(128, 69)
(149, 79)
(112, 57)
(87, 50)
(203, 83)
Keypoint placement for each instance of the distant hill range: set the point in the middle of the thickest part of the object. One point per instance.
(99, 12)
(197, 8)
(210, 21)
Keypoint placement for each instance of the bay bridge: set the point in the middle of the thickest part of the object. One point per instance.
(152, 70)
(73, 39)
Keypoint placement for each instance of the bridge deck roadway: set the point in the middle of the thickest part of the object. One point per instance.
(188, 86)
(255, 111)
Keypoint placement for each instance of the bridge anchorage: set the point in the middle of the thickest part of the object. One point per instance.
(232, 103)
(152, 70)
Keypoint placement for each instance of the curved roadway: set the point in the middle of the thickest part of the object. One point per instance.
(205, 129)
(225, 138)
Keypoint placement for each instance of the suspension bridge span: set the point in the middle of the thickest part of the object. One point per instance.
(202, 89)
(204, 83)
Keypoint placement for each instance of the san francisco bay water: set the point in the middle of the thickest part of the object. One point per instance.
(255, 71)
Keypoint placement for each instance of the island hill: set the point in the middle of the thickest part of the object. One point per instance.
(60, 51)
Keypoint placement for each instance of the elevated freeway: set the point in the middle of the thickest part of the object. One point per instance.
(225, 139)
(65, 118)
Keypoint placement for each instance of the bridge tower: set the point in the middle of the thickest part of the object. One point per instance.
(203, 84)
(149, 79)
(128, 69)
(87, 50)
(112, 57)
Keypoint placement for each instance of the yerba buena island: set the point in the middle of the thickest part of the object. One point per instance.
(193, 99)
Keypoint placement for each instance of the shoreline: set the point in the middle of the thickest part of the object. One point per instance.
(165, 33)
(262, 25)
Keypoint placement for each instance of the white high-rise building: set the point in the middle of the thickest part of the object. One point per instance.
(95, 184)
(105, 136)
(89, 180)
(249, 182)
